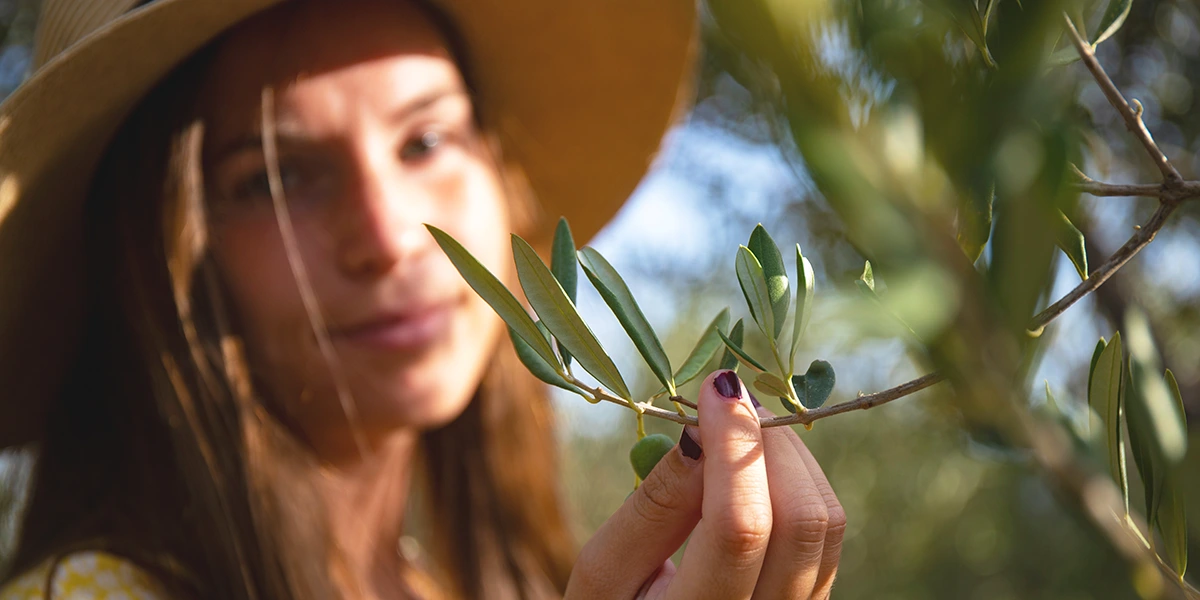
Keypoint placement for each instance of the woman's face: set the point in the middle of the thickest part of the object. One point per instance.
(375, 138)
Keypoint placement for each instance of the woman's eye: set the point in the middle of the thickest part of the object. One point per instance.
(421, 147)
(257, 186)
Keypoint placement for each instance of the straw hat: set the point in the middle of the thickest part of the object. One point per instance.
(580, 91)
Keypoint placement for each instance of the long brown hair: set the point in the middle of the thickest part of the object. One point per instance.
(161, 449)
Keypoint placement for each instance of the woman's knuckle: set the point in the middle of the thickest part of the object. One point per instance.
(746, 432)
(807, 526)
(658, 500)
(745, 532)
(837, 519)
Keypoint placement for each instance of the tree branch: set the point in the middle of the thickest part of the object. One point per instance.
(863, 402)
(1133, 119)
(1140, 239)
(1187, 190)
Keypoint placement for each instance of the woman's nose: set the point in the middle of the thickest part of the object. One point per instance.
(381, 224)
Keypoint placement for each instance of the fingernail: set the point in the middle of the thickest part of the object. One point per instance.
(754, 400)
(728, 385)
(689, 443)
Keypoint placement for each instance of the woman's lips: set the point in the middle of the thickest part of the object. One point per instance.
(408, 331)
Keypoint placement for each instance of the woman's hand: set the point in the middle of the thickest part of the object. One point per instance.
(762, 518)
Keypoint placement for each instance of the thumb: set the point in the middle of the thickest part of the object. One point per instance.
(646, 530)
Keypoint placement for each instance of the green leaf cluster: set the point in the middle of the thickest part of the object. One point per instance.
(556, 337)
(764, 281)
(551, 293)
(1133, 395)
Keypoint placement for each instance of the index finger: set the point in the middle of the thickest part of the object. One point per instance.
(645, 531)
(726, 550)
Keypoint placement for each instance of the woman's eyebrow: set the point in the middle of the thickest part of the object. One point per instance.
(254, 141)
(424, 100)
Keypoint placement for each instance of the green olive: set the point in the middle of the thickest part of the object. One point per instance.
(647, 452)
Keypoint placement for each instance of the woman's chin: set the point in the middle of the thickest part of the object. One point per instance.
(417, 407)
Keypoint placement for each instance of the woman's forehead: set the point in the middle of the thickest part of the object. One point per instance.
(310, 41)
(309, 37)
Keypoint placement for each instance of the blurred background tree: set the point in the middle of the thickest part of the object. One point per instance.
(897, 132)
(875, 129)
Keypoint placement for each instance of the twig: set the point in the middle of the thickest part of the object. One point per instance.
(684, 401)
(1133, 119)
(1188, 190)
(1140, 239)
(600, 394)
(861, 403)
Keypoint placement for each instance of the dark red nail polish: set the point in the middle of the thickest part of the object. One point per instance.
(727, 385)
(754, 400)
(689, 445)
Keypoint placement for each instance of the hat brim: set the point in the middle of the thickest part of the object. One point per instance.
(581, 94)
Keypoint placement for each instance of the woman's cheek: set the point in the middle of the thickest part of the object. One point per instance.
(262, 290)
(486, 221)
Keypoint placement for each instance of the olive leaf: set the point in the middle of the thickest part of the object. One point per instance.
(495, 294)
(741, 355)
(754, 287)
(965, 14)
(729, 360)
(1173, 386)
(1051, 403)
(866, 281)
(805, 281)
(975, 221)
(1063, 57)
(562, 264)
(1157, 434)
(540, 368)
(618, 298)
(1071, 241)
(768, 255)
(1164, 419)
(1172, 523)
(1104, 396)
(1100, 346)
(1140, 435)
(1172, 513)
(815, 385)
(1113, 19)
(705, 348)
(988, 7)
(545, 333)
(555, 309)
(771, 384)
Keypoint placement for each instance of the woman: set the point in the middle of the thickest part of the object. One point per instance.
(270, 352)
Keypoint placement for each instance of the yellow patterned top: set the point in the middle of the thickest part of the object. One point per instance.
(90, 575)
